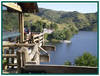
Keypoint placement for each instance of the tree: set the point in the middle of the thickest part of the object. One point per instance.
(37, 26)
(68, 33)
(59, 35)
(53, 26)
(86, 60)
(67, 63)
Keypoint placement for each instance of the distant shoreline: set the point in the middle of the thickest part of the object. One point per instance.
(66, 41)
(58, 41)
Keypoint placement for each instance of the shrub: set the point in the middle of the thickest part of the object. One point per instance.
(67, 63)
(86, 60)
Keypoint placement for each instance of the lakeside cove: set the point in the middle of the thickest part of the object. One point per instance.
(26, 49)
(84, 41)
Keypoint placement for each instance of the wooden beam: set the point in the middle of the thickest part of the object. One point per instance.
(10, 64)
(19, 60)
(18, 45)
(21, 27)
(34, 51)
(60, 69)
(13, 6)
(31, 62)
(41, 49)
(9, 56)
(44, 58)
(49, 47)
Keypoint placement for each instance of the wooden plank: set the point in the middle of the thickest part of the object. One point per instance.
(60, 69)
(9, 56)
(19, 60)
(49, 47)
(9, 71)
(35, 36)
(7, 52)
(29, 7)
(12, 59)
(36, 39)
(35, 49)
(18, 45)
(37, 58)
(41, 41)
(38, 35)
(26, 56)
(13, 6)
(43, 50)
(41, 34)
(21, 26)
(10, 64)
(44, 58)
(31, 62)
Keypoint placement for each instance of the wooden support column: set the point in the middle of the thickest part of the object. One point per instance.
(12, 59)
(7, 52)
(43, 40)
(37, 55)
(21, 26)
(18, 61)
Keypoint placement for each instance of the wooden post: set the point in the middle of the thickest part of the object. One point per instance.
(37, 56)
(43, 40)
(21, 26)
(12, 59)
(19, 61)
(7, 52)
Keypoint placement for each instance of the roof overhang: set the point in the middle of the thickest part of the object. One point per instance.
(28, 7)
(12, 6)
(22, 7)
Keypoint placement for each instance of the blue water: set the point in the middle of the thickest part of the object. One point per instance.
(82, 42)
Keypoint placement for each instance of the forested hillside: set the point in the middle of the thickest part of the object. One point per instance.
(64, 24)
(10, 21)
(81, 21)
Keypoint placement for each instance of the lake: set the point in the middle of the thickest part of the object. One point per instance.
(82, 42)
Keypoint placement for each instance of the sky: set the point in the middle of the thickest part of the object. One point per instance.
(79, 7)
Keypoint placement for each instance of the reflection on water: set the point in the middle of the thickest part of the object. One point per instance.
(81, 42)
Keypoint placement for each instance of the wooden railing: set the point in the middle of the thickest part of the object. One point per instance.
(10, 52)
(26, 53)
(59, 69)
(28, 62)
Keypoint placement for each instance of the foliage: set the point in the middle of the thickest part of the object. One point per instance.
(53, 26)
(54, 41)
(86, 60)
(68, 35)
(37, 27)
(64, 24)
(64, 34)
(80, 20)
(10, 21)
(50, 19)
(67, 63)
(59, 35)
(4, 61)
(45, 36)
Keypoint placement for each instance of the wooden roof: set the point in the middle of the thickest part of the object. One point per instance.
(28, 7)
(22, 7)
(12, 7)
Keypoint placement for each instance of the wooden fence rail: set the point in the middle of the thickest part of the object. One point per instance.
(26, 53)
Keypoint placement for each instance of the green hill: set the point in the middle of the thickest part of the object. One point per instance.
(64, 24)
(10, 21)
(62, 19)
(80, 20)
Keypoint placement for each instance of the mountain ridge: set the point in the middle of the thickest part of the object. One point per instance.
(83, 21)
